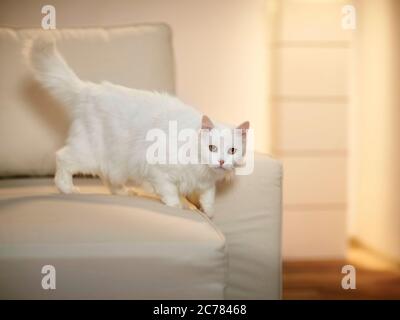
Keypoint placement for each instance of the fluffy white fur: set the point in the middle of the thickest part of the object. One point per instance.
(109, 124)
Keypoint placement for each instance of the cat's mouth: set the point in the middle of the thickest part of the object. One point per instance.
(221, 168)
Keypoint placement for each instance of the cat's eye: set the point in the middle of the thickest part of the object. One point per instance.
(231, 150)
(212, 148)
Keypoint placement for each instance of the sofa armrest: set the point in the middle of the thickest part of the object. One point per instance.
(248, 212)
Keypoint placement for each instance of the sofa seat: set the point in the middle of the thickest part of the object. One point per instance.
(105, 246)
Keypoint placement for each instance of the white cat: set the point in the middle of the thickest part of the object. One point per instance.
(108, 131)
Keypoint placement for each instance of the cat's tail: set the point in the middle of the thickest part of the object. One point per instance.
(51, 70)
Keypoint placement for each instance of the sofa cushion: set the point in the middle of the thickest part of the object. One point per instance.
(105, 246)
(32, 124)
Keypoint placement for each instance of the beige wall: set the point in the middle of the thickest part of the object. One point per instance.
(310, 103)
(375, 196)
(220, 47)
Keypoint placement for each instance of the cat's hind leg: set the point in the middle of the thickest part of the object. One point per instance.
(116, 187)
(119, 189)
(66, 166)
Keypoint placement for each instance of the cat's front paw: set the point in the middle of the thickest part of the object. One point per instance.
(172, 202)
(208, 210)
(68, 189)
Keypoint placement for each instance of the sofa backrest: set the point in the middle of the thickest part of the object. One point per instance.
(32, 124)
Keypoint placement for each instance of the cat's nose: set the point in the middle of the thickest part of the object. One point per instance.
(221, 162)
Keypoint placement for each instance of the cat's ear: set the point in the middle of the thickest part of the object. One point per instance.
(206, 123)
(244, 127)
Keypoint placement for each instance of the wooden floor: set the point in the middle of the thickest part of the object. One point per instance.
(322, 280)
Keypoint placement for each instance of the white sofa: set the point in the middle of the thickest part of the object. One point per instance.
(105, 246)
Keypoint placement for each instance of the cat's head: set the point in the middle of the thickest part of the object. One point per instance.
(222, 147)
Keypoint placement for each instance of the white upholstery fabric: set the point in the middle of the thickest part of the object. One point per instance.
(105, 246)
(249, 213)
(32, 124)
(131, 247)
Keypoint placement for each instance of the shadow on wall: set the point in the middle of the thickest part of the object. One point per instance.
(44, 107)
